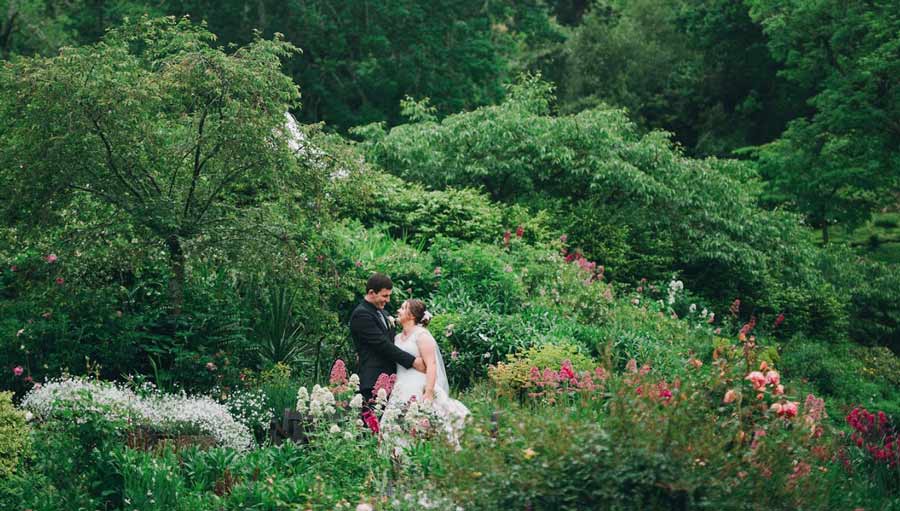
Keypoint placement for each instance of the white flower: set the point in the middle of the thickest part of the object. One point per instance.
(353, 382)
(692, 308)
(348, 435)
(357, 402)
(364, 507)
(382, 394)
(29, 416)
(334, 429)
(487, 355)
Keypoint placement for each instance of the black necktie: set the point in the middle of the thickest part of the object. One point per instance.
(381, 318)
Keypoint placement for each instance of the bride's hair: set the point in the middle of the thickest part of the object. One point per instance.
(417, 309)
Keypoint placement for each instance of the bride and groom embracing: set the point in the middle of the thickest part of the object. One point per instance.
(412, 354)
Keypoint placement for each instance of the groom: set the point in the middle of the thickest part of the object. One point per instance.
(374, 339)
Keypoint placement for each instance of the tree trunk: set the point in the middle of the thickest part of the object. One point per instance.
(176, 279)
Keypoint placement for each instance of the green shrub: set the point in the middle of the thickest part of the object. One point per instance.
(483, 273)
(513, 375)
(14, 435)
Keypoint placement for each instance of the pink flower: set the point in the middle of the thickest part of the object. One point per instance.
(454, 355)
(735, 307)
(631, 366)
(437, 271)
(18, 370)
(567, 371)
(696, 363)
(51, 258)
(338, 373)
(600, 374)
(60, 281)
(772, 378)
(13, 268)
(717, 331)
(564, 238)
(520, 231)
(640, 289)
(789, 409)
(730, 396)
(28, 379)
(757, 379)
(210, 366)
(779, 390)
(385, 382)
(358, 264)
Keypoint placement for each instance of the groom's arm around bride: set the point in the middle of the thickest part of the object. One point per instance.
(373, 338)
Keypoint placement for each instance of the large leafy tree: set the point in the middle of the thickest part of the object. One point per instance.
(175, 136)
(842, 161)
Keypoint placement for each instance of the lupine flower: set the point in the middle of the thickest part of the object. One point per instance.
(17, 371)
(338, 373)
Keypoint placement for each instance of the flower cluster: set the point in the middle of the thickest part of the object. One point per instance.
(249, 407)
(675, 286)
(547, 383)
(155, 410)
(596, 271)
(875, 434)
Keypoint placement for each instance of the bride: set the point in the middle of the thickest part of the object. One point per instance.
(432, 386)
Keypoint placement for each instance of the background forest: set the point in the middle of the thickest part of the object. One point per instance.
(622, 213)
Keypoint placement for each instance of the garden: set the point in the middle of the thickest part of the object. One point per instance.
(631, 326)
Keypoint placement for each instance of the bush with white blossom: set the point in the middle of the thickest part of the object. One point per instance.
(155, 410)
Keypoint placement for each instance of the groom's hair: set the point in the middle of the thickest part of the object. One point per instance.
(377, 282)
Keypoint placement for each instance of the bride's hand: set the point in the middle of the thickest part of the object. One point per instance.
(429, 395)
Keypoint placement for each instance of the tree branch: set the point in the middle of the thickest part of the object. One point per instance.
(110, 159)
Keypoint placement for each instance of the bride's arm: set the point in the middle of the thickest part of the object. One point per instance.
(426, 350)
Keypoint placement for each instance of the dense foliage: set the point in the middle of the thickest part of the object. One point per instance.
(632, 324)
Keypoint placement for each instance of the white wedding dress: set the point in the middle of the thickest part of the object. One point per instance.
(411, 383)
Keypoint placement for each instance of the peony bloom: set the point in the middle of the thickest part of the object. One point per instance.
(772, 378)
(789, 409)
(17, 371)
(758, 380)
(730, 396)
(51, 258)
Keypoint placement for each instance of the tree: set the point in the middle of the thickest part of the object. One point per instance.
(184, 141)
(842, 161)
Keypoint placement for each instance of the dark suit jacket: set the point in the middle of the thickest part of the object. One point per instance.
(375, 347)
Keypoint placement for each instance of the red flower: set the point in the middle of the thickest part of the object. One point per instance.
(60, 281)
(779, 320)
(506, 236)
(520, 231)
(371, 421)
(567, 371)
